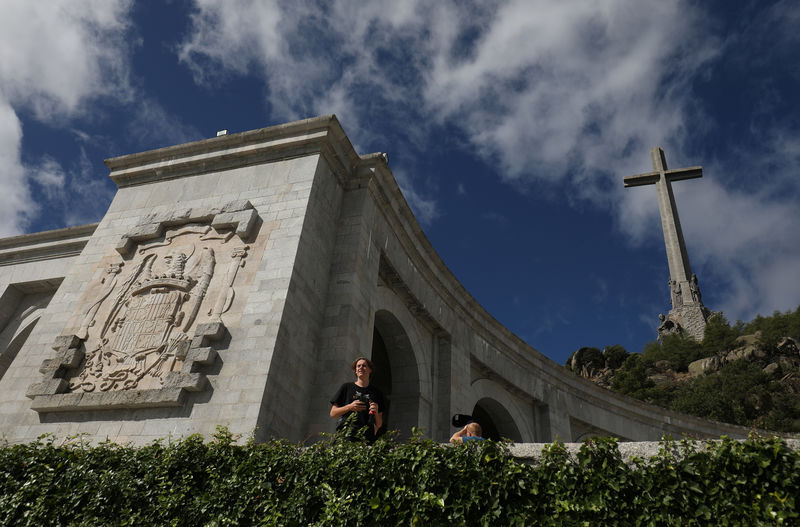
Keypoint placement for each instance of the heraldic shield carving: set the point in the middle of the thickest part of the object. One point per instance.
(144, 325)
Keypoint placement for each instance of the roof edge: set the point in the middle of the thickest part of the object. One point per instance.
(229, 151)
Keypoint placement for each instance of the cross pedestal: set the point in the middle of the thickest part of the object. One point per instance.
(688, 315)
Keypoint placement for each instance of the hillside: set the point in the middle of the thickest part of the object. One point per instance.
(746, 374)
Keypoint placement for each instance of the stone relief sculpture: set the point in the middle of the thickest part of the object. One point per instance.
(144, 336)
(226, 296)
(148, 317)
(109, 282)
(675, 289)
(694, 288)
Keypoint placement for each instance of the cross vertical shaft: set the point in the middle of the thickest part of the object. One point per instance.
(677, 256)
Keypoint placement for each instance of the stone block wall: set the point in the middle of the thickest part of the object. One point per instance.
(279, 192)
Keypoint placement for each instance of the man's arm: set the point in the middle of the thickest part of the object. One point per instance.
(355, 406)
(456, 438)
(373, 407)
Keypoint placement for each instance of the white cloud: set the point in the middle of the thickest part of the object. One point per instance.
(748, 243)
(15, 203)
(571, 88)
(86, 188)
(54, 57)
(548, 89)
(56, 53)
(567, 92)
(155, 127)
(49, 175)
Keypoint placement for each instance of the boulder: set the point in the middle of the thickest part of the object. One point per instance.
(772, 369)
(749, 351)
(748, 340)
(703, 366)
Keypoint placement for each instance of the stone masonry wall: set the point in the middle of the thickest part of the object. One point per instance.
(289, 392)
(279, 192)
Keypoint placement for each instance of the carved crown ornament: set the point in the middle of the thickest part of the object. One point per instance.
(144, 328)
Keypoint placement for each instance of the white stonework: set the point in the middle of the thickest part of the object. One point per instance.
(132, 330)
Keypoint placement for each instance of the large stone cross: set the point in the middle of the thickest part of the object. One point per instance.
(679, 269)
(687, 307)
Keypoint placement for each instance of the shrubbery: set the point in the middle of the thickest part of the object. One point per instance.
(739, 393)
(775, 327)
(191, 482)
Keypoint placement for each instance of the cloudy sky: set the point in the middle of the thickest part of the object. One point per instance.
(509, 126)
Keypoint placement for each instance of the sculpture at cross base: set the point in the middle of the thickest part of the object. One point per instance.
(688, 314)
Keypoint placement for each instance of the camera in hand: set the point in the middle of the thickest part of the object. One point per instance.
(364, 398)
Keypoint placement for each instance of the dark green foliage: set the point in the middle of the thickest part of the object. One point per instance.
(615, 356)
(419, 483)
(774, 328)
(719, 335)
(738, 395)
(632, 379)
(676, 350)
(589, 358)
(785, 412)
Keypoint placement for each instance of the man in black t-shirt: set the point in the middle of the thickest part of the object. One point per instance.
(361, 399)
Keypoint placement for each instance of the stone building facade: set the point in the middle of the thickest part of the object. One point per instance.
(233, 280)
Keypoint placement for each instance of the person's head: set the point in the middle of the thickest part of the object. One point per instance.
(474, 429)
(360, 364)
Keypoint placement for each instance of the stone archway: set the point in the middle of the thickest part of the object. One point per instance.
(396, 373)
(495, 420)
(489, 402)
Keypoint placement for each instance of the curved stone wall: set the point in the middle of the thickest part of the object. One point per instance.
(473, 355)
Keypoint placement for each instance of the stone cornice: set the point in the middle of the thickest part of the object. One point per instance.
(46, 245)
(322, 135)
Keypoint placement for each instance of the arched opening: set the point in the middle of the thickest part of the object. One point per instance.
(495, 421)
(382, 376)
(8, 354)
(396, 373)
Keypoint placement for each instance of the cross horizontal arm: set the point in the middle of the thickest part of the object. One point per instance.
(651, 178)
(684, 173)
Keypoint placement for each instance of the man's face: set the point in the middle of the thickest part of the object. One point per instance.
(362, 368)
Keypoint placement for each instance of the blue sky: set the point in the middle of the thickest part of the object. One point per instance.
(509, 126)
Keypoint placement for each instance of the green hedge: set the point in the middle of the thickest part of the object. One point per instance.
(335, 482)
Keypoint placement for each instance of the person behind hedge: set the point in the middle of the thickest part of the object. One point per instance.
(471, 432)
(350, 400)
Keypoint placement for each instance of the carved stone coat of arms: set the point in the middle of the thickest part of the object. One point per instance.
(144, 320)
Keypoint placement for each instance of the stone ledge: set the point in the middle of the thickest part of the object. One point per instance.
(47, 245)
(643, 450)
(65, 402)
